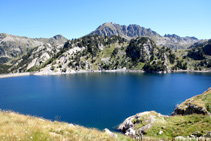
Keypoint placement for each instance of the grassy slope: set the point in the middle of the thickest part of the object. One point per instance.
(15, 126)
(174, 126)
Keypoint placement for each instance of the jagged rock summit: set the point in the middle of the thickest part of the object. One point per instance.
(133, 31)
(128, 32)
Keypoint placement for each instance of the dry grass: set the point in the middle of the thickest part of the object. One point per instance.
(15, 126)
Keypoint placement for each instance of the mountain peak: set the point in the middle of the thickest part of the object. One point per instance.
(134, 30)
(108, 23)
(127, 32)
(171, 35)
(59, 36)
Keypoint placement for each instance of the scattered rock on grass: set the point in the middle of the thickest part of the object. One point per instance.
(108, 132)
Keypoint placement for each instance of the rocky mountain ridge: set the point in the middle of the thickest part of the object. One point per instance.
(107, 52)
(78, 54)
(96, 53)
(99, 53)
(15, 46)
(133, 31)
(128, 32)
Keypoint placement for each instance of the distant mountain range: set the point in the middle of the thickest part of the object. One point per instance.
(133, 31)
(109, 47)
(15, 46)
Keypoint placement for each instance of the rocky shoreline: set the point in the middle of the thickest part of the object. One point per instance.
(90, 71)
(16, 74)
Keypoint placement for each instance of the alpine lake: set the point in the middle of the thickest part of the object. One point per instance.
(99, 100)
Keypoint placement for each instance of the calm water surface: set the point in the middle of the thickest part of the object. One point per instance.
(100, 100)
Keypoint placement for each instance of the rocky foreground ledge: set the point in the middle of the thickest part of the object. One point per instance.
(190, 120)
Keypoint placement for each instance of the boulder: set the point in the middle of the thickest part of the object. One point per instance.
(189, 109)
(161, 132)
(108, 132)
(196, 134)
(141, 130)
(71, 125)
(131, 123)
(126, 124)
(130, 132)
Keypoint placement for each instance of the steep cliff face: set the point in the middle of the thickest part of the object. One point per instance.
(145, 50)
(133, 31)
(141, 48)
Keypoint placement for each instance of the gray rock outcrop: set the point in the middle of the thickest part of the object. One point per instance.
(108, 132)
(145, 119)
(133, 31)
(189, 109)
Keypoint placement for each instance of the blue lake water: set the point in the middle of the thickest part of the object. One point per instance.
(99, 100)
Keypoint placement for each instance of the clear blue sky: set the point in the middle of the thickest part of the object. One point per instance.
(76, 18)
